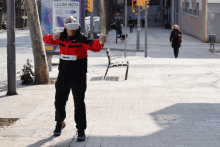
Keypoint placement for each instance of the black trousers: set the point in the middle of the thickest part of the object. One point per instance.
(76, 82)
(131, 28)
(176, 52)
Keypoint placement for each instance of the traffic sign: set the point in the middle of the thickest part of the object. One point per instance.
(142, 2)
(90, 2)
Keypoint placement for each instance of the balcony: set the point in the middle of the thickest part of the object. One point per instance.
(191, 12)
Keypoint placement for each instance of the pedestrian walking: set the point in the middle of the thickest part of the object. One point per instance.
(121, 21)
(175, 40)
(130, 22)
(72, 72)
(133, 21)
(118, 30)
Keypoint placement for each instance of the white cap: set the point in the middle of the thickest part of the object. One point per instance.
(73, 25)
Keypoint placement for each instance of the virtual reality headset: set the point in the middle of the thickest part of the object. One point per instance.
(73, 25)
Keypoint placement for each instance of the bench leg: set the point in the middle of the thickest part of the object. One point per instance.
(106, 72)
(126, 75)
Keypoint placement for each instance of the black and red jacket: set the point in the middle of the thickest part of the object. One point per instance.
(78, 44)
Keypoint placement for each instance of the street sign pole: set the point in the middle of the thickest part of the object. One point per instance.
(91, 22)
(172, 11)
(83, 16)
(146, 24)
(11, 62)
(125, 24)
(138, 28)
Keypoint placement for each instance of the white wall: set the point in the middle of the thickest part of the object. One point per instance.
(214, 1)
(200, 4)
(213, 20)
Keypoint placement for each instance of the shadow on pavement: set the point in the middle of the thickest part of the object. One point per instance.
(41, 142)
(19, 85)
(182, 124)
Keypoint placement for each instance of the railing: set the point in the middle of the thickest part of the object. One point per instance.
(192, 12)
(196, 12)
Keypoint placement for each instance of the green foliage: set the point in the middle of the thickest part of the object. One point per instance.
(27, 73)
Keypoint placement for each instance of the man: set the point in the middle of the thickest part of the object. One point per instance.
(118, 29)
(133, 22)
(72, 72)
(130, 22)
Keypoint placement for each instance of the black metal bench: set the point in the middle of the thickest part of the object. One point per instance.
(111, 64)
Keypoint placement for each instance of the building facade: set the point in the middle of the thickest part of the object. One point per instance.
(200, 18)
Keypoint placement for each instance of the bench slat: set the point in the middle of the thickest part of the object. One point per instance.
(116, 63)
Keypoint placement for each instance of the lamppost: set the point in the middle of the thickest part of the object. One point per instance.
(18, 19)
(1, 9)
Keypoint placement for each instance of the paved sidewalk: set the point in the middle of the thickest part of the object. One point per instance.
(165, 102)
(156, 38)
(16, 29)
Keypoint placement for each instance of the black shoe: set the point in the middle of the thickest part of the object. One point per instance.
(81, 135)
(59, 127)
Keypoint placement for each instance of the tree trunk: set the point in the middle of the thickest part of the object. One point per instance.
(103, 17)
(40, 60)
(108, 15)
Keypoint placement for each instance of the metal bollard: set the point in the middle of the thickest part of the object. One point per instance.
(212, 40)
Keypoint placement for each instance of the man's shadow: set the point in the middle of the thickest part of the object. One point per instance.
(41, 142)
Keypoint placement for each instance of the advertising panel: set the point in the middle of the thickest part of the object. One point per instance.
(53, 15)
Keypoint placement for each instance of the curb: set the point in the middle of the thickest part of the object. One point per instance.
(16, 29)
(127, 50)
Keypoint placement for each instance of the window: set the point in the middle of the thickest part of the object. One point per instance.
(194, 11)
(187, 5)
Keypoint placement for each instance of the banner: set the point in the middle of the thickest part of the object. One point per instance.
(53, 15)
(61, 10)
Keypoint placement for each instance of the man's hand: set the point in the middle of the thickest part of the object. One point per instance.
(102, 39)
(171, 42)
(56, 36)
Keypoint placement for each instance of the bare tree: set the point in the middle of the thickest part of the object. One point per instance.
(40, 62)
(103, 17)
(106, 17)
(109, 12)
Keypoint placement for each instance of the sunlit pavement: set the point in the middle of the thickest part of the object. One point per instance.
(165, 101)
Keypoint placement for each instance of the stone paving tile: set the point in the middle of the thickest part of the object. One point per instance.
(164, 102)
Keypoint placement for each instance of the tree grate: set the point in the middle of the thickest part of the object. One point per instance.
(7, 121)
